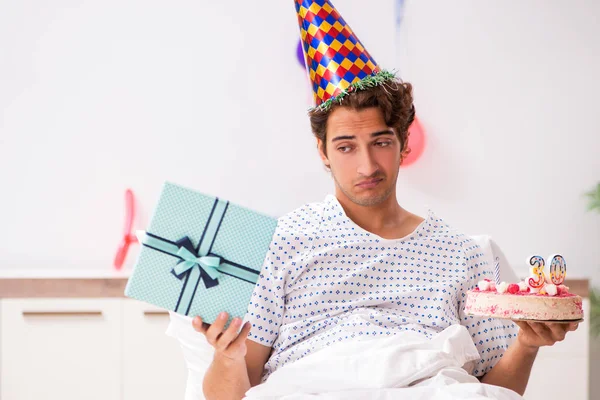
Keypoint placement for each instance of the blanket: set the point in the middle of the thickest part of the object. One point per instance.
(401, 366)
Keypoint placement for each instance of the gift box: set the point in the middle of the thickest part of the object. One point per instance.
(200, 254)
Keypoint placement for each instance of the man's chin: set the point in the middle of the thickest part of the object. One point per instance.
(369, 199)
(366, 197)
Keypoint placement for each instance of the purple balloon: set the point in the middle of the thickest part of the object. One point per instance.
(300, 54)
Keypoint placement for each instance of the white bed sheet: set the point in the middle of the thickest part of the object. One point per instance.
(402, 366)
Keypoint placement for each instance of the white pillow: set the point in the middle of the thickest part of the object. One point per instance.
(494, 255)
(197, 352)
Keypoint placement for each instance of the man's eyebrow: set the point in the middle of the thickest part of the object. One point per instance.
(386, 132)
(338, 138)
(373, 135)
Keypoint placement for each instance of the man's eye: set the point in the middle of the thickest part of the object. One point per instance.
(344, 149)
(383, 144)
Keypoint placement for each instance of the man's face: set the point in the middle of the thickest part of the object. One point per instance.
(363, 154)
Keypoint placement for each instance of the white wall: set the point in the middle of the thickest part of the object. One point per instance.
(509, 91)
(100, 96)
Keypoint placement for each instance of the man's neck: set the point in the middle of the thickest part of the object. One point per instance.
(387, 219)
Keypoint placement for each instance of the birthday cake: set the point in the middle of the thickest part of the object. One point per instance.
(539, 298)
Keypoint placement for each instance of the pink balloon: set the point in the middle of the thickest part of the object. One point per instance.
(416, 143)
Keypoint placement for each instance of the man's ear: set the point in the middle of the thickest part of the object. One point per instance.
(321, 147)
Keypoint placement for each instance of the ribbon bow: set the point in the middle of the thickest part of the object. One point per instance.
(210, 264)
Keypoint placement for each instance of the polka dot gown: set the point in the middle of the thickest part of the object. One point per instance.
(327, 280)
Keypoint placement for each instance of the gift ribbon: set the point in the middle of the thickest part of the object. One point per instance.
(210, 264)
(198, 264)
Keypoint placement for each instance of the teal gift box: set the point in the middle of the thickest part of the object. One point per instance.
(200, 255)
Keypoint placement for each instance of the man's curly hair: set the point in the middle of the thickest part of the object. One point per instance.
(395, 100)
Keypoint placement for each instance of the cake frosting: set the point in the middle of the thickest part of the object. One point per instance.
(539, 297)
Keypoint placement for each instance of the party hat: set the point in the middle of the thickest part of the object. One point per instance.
(336, 60)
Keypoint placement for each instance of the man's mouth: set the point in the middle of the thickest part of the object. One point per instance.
(369, 183)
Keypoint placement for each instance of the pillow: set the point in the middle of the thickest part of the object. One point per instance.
(197, 352)
(493, 256)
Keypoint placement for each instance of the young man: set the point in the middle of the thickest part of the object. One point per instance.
(358, 266)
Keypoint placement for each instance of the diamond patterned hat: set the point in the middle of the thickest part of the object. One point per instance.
(336, 60)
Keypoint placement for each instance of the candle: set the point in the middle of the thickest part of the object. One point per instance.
(537, 278)
(558, 269)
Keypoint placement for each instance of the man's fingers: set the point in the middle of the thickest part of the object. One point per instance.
(216, 328)
(558, 331)
(526, 328)
(199, 325)
(573, 326)
(229, 335)
(523, 325)
(542, 331)
(242, 336)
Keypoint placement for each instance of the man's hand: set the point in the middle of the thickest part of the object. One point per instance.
(533, 335)
(228, 343)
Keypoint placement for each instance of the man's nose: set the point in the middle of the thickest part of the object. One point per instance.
(367, 166)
